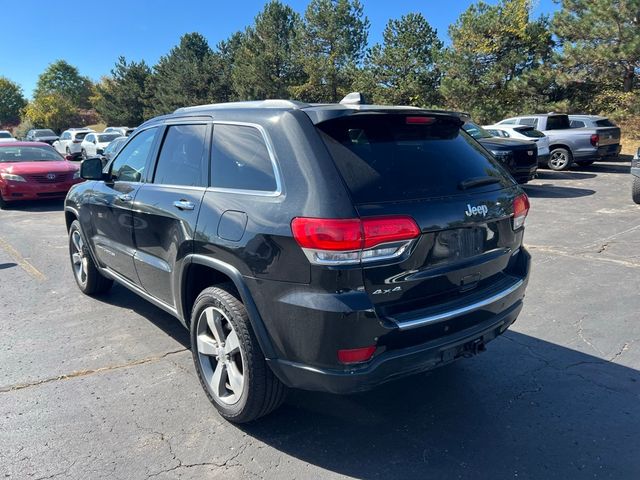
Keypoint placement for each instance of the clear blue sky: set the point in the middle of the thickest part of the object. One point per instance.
(91, 36)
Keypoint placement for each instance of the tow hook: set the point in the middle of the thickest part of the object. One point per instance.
(474, 348)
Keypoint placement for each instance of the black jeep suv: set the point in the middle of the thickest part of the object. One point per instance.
(323, 247)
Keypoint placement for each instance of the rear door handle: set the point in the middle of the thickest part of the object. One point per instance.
(184, 205)
(125, 198)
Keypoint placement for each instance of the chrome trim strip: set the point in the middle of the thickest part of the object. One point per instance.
(440, 317)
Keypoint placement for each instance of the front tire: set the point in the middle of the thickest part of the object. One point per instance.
(88, 277)
(228, 359)
(3, 204)
(560, 159)
(635, 190)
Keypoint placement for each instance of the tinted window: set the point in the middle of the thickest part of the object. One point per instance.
(114, 146)
(45, 133)
(80, 136)
(509, 121)
(576, 124)
(529, 121)
(182, 159)
(107, 137)
(240, 159)
(476, 131)
(384, 158)
(605, 122)
(129, 165)
(88, 138)
(530, 132)
(5, 135)
(558, 122)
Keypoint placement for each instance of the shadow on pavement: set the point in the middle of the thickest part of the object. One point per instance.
(54, 205)
(549, 190)
(122, 297)
(4, 266)
(603, 168)
(526, 409)
(551, 175)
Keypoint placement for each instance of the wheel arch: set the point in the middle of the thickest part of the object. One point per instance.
(553, 146)
(200, 272)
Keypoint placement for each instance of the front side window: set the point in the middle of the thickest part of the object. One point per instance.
(131, 162)
(182, 159)
(240, 159)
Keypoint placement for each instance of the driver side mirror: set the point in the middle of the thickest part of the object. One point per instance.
(91, 169)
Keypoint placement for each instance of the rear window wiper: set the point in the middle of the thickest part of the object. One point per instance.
(477, 182)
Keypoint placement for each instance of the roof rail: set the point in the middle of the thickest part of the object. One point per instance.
(248, 104)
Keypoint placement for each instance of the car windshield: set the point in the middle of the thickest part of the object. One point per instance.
(530, 132)
(5, 135)
(107, 137)
(28, 154)
(45, 133)
(114, 146)
(390, 157)
(476, 131)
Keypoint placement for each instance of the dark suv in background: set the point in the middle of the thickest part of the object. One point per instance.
(323, 247)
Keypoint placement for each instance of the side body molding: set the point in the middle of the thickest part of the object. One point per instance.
(245, 295)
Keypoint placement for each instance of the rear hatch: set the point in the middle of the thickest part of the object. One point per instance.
(423, 165)
(608, 132)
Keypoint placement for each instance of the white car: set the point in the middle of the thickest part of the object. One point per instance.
(94, 144)
(5, 136)
(70, 140)
(523, 132)
(124, 131)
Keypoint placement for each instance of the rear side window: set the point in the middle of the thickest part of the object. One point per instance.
(576, 124)
(182, 158)
(605, 122)
(384, 158)
(240, 159)
(533, 122)
(558, 122)
(531, 132)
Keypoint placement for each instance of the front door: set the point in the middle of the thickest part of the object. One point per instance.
(112, 203)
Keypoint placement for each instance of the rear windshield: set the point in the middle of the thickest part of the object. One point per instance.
(605, 122)
(45, 133)
(384, 158)
(530, 132)
(108, 137)
(81, 135)
(558, 122)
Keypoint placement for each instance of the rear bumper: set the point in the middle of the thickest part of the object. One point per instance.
(524, 174)
(397, 363)
(402, 349)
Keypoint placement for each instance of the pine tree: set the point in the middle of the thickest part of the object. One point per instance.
(404, 66)
(264, 65)
(120, 98)
(494, 60)
(330, 47)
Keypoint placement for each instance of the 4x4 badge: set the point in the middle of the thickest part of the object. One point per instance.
(480, 209)
(382, 291)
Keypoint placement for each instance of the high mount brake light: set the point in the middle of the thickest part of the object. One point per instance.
(420, 120)
(329, 241)
(520, 210)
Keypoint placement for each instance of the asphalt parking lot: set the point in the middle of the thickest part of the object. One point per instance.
(106, 389)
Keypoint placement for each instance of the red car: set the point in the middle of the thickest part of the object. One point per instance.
(33, 171)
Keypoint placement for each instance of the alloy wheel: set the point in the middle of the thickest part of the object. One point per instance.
(558, 160)
(220, 356)
(78, 257)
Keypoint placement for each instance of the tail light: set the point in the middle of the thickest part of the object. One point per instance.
(520, 210)
(352, 241)
(595, 139)
(356, 355)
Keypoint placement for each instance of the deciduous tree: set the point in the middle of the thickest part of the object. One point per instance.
(61, 78)
(11, 101)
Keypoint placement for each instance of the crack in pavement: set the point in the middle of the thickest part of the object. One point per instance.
(581, 336)
(84, 373)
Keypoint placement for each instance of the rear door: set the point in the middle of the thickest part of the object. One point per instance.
(166, 209)
(460, 197)
(112, 202)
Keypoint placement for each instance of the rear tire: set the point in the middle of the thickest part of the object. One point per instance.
(635, 190)
(89, 279)
(228, 359)
(560, 159)
(3, 204)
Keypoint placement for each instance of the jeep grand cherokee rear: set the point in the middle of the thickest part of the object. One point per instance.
(324, 247)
